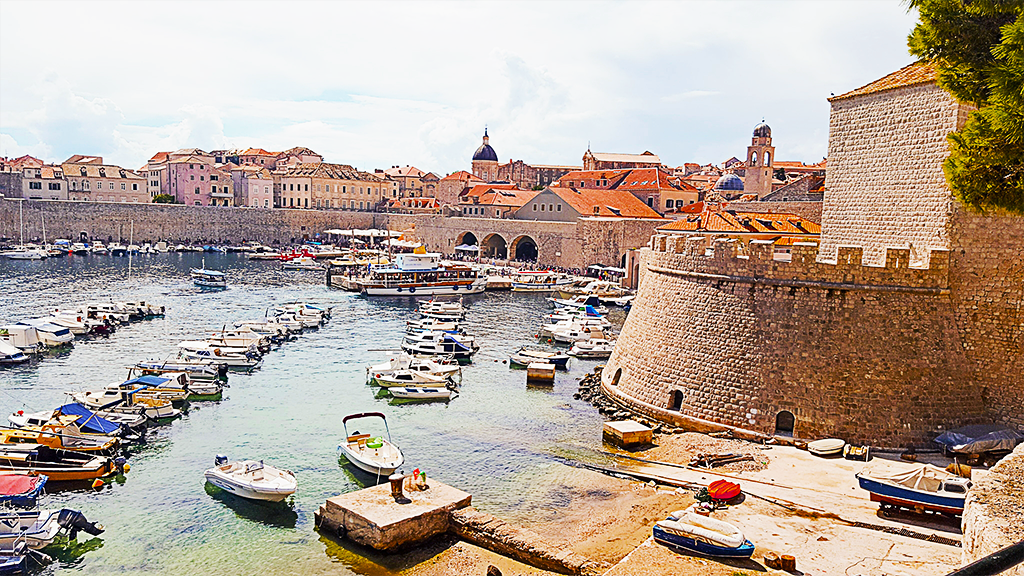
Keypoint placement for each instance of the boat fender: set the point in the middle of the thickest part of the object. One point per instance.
(375, 442)
(216, 351)
(412, 289)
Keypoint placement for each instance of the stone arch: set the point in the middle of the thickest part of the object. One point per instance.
(524, 248)
(767, 158)
(675, 401)
(616, 377)
(494, 246)
(466, 238)
(753, 158)
(784, 423)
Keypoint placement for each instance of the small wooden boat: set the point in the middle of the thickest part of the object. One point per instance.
(420, 393)
(440, 344)
(398, 378)
(723, 490)
(62, 433)
(690, 532)
(20, 490)
(438, 366)
(526, 356)
(372, 454)
(57, 465)
(39, 528)
(925, 488)
(826, 447)
(251, 479)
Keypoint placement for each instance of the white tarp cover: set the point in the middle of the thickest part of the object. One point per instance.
(927, 478)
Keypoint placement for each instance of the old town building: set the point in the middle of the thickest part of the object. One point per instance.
(453, 185)
(89, 179)
(603, 161)
(253, 186)
(527, 176)
(330, 186)
(193, 178)
(566, 204)
(493, 200)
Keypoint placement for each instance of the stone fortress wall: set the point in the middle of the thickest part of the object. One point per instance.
(909, 324)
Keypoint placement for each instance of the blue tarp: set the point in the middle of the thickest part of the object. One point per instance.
(148, 381)
(980, 438)
(90, 422)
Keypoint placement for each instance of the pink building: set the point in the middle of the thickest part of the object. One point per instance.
(253, 186)
(195, 180)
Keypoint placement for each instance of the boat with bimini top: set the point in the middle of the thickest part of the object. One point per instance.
(422, 272)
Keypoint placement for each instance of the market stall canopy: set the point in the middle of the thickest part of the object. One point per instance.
(467, 248)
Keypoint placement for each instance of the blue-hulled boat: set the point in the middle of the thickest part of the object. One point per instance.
(925, 488)
(690, 532)
(20, 490)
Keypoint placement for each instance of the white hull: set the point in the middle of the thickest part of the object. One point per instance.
(266, 483)
(426, 290)
(371, 466)
(415, 393)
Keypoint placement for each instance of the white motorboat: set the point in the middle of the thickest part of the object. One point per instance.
(571, 333)
(579, 301)
(566, 316)
(25, 253)
(266, 327)
(236, 357)
(24, 338)
(126, 402)
(411, 378)
(436, 366)
(440, 344)
(98, 248)
(79, 249)
(241, 338)
(302, 263)
(309, 316)
(419, 393)
(540, 281)
(133, 249)
(117, 249)
(593, 348)
(106, 311)
(435, 335)
(161, 247)
(372, 454)
(432, 324)
(289, 321)
(450, 307)
(39, 528)
(213, 279)
(52, 335)
(251, 479)
(527, 356)
(10, 354)
(73, 323)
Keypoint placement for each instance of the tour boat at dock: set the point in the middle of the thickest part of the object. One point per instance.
(539, 281)
(422, 273)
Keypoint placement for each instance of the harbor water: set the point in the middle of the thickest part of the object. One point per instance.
(498, 440)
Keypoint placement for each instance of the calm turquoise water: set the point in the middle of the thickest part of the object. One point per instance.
(495, 440)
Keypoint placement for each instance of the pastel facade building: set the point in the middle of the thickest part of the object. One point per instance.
(331, 186)
(604, 161)
(90, 180)
(253, 186)
(195, 180)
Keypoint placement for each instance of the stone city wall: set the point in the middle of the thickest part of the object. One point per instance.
(884, 185)
(993, 514)
(732, 338)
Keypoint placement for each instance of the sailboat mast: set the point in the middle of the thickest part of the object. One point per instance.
(131, 240)
(21, 220)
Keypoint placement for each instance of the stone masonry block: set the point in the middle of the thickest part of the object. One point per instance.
(696, 245)
(761, 250)
(850, 256)
(804, 252)
(897, 258)
(938, 260)
(725, 249)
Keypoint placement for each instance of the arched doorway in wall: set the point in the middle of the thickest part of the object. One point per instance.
(494, 246)
(675, 400)
(784, 423)
(467, 238)
(524, 249)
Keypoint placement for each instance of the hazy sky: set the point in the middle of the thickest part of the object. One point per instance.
(387, 83)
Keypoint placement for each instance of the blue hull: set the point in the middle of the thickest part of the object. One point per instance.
(12, 564)
(908, 498)
(690, 545)
(25, 499)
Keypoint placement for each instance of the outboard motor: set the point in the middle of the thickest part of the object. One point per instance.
(220, 460)
(119, 462)
(73, 521)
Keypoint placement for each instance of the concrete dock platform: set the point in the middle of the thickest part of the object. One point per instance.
(627, 433)
(372, 518)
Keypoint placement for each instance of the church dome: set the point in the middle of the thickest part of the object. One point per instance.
(485, 152)
(762, 130)
(730, 182)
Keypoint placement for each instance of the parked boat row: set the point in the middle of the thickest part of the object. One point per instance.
(59, 329)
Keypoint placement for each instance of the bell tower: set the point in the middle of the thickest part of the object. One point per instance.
(760, 156)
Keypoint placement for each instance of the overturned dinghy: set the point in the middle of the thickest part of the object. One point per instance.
(691, 532)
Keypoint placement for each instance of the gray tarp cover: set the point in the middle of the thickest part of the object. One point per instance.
(981, 438)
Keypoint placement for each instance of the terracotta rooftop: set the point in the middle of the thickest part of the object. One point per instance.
(460, 175)
(329, 171)
(645, 157)
(495, 196)
(406, 171)
(257, 152)
(159, 157)
(608, 202)
(481, 189)
(910, 75)
(716, 218)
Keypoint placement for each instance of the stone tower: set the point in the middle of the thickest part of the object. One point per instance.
(485, 161)
(760, 155)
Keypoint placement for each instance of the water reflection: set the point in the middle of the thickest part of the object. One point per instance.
(279, 514)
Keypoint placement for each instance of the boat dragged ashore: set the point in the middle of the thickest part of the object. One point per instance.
(422, 273)
(372, 454)
(925, 488)
(688, 531)
(251, 479)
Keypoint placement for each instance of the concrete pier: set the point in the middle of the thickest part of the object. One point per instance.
(371, 517)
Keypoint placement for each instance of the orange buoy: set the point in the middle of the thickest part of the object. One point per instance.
(127, 468)
(97, 483)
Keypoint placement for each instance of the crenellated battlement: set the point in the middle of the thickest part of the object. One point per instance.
(756, 260)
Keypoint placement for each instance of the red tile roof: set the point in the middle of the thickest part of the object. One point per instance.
(502, 197)
(608, 202)
(159, 157)
(481, 189)
(257, 152)
(460, 175)
(910, 75)
(715, 218)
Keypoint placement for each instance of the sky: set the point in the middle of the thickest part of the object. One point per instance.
(381, 84)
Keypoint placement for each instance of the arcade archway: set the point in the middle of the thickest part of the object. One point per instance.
(524, 249)
(494, 246)
(466, 238)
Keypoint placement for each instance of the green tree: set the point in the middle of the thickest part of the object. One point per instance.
(977, 47)
(163, 199)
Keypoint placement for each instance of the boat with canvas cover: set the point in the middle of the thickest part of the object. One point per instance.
(57, 465)
(924, 488)
(420, 272)
(73, 323)
(39, 528)
(209, 279)
(688, 531)
(441, 344)
(579, 301)
(594, 348)
(52, 335)
(127, 402)
(85, 420)
(24, 338)
(62, 433)
(438, 366)
(419, 393)
(10, 354)
(372, 454)
(233, 357)
(826, 447)
(199, 368)
(432, 324)
(20, 490)
(526, 356)
(251, 479)
(105, 421)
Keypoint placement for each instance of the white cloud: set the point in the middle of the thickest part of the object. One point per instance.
(378, 84)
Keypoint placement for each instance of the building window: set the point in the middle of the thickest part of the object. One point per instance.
(306, 201)
(668, 203)
(54, 186)
(307, 187)
(135, 186)
(198, 203)
(123, 186)
(266, 203)
(559, 206)
(213, 177)
(191, 166)
(266, 189)
(35, 185)
(291, 202)
(191, 176)
(534, 207)
(202, 178)
(111, 185)
(541, 207)
(197, 189)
